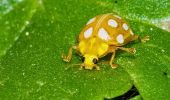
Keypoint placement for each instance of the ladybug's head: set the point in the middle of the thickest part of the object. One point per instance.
(89, 61)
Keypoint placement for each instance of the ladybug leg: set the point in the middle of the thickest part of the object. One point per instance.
(112, 49)
(143, 40)
(130, 50)
(68, 57)
(112, 59)
(97, 67)
(81, 67)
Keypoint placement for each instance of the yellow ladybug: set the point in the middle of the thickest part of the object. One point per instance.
(102, 35)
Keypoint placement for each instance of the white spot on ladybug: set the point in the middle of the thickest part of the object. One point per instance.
(88, 32)
(91, 20)
(112, 23)
(120, 38)
(117, 16)
(131, 32)
(103, 34)
(125, 26)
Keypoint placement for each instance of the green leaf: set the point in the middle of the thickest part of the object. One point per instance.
(138, 97)
(35, 33)
(13, 21)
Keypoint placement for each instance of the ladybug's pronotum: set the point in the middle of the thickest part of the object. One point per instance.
(102, 35)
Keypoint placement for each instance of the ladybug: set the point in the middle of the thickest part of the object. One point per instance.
(102, 35)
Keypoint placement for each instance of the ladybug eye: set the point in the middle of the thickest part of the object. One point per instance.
(95, 61)
(82, 59)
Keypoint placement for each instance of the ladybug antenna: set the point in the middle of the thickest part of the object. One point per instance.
(73, 65)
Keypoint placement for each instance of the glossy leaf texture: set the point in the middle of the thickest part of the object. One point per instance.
(34, 34)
